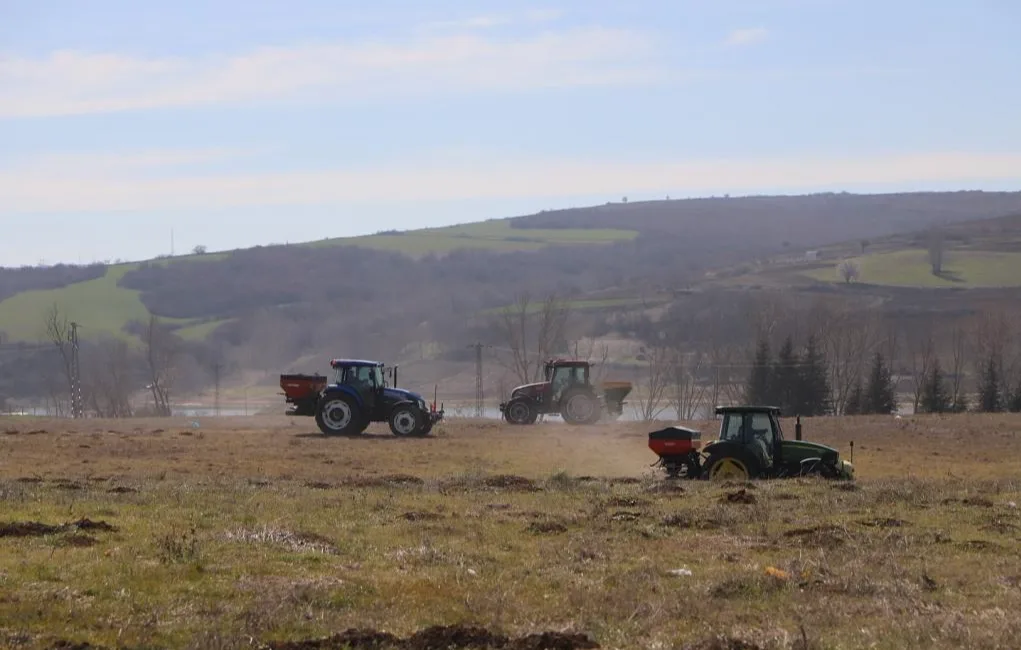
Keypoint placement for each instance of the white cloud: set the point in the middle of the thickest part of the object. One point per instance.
(119, 184)
(747, 36)
(74, 82)
(532, 16)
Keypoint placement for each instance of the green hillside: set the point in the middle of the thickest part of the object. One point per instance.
(495, 235)
(103, 307)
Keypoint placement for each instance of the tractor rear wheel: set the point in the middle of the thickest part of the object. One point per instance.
(580, 407)
(730, 466)
(520, 411)
(339, 415)
(405, 420)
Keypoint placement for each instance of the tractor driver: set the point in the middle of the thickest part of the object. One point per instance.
(760, 437)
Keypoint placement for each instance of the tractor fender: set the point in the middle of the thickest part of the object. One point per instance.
(404, 402)
(340, 389)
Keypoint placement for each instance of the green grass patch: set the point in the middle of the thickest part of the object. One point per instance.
(495, 235)
(200, 331)
(910, 268)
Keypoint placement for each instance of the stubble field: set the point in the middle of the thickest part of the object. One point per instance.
(259, 532)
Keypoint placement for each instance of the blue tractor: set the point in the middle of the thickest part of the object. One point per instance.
(357, 396)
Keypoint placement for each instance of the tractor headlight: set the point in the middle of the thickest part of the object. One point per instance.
(846, 469)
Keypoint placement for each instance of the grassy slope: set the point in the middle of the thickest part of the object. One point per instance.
(910, 268)
(252, 528)
(105, 308)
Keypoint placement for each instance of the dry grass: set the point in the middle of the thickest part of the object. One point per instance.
(254, 530)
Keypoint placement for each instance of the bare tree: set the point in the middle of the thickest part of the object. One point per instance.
(112, 384)
(849, 338)
(936, 245)
(161, 350)
(654, 380)
(958, 354)
(922, 350)
(849, 271)
(687, 393)
(595, 354)
(58, 332)
(532, 331)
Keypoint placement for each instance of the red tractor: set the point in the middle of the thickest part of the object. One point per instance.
(568, 391)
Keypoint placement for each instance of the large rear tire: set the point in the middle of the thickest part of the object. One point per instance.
(520, 411)
(730, 466)
(580, 407)
(339, 415)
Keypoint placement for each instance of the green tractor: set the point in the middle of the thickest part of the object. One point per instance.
(751, 445)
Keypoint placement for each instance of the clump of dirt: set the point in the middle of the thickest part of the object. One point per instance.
(978, 502)
(37, 529)
(421, 516)
(390, 480)
(318, 485)
(88, 524)
(122, 489)
(744, 485)
(819, 536)
(846, 487)
(452, 637)
(65, 484)
(29, 479)
(27, 529)
(741, 496)
(546, 528)
(510, 482)
(884, 522)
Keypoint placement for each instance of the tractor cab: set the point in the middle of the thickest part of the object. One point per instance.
(754, 428)
(365, 377)
(561, 375)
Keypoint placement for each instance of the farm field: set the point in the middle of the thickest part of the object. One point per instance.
(494, 235)
(910, 268)
(259, 532)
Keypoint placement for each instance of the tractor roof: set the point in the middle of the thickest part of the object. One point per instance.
(775, 410)
(357, 363)
(568, 362)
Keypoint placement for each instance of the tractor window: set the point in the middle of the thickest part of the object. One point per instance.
(761, 428)
(731, 429)
(376, 376)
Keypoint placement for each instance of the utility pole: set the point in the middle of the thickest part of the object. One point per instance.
(77, 403)
(479, 393)
(217, 367)
(171, 242)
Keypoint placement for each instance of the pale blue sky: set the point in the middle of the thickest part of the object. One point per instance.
(239, 123)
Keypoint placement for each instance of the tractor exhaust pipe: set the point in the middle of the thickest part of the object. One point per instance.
(797, 428)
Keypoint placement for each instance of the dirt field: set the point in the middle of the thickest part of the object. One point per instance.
(261, 532)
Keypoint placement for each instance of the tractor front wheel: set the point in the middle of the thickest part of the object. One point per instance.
(520, 411)
(338, 415)
(405, 420)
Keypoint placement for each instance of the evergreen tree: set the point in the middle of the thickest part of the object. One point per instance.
(785, 376)
(759, 380)
(855, 401)
(879, 396)
(990, 396)
(934, 392)
(1013, 399)
(812, 396)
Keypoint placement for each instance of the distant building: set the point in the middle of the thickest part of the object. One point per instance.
(811, 256)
